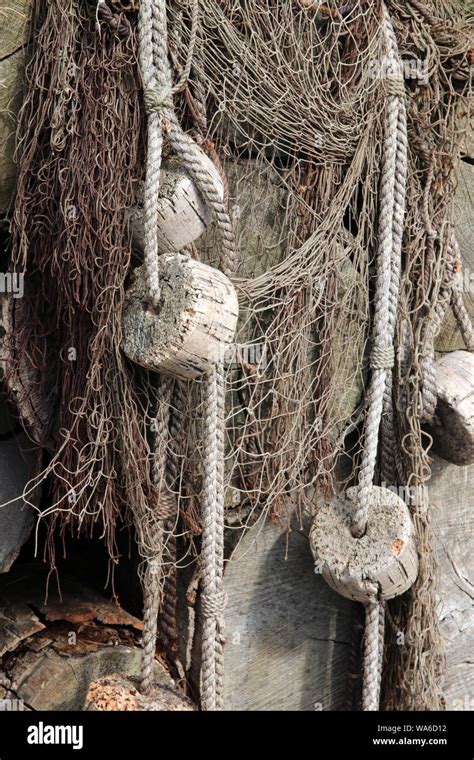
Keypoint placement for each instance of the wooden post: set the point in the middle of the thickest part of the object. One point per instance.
(453, 425)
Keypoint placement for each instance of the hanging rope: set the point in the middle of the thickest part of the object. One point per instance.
(158, 93)
(165, 510)
(391, 214)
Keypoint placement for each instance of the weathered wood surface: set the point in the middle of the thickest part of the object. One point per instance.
(16, 468)
(118, 692)
(382, 563)
(450, 338)
(182, 214)
(16, 518)
(14, 19)
(52, 651)
(451, 494)
(194, 325)
(453, 424)
(288, 634)
(14, 22)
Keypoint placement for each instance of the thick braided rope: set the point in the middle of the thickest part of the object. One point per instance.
(151, 605)
(390, 234)
(153, 574)
(371, 682)
(157, 87)
(192, 157)
(386, 291)
(158, 101)
(158, 92)
(212, 555)
(209, 542)
(184, 76)
(389, 446)
(220, 513)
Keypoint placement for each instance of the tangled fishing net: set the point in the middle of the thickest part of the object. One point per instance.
(288, 99)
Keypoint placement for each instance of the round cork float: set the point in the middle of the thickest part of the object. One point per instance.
(195, 322)
(381, 564)
(452, 427)
(182, 214)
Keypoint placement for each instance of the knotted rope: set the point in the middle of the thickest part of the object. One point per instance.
(388, 263)
(158, 98)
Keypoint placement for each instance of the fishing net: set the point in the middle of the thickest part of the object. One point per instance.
(288, 99)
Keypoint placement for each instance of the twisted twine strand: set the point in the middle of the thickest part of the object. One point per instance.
(463, 319)
(450, 295)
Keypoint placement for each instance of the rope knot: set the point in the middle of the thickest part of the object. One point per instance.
(382, 357)
(396, 87)
(213, 604)
(157, 100)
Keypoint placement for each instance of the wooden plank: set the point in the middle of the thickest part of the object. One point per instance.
(16, 518)
(451, 493)
(49, 663)
(11, 89)
(14, 23)
(287, 632)
(452, 427)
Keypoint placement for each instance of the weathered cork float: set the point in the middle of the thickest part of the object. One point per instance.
(383, 563)
(194, 325)
(182, 214)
